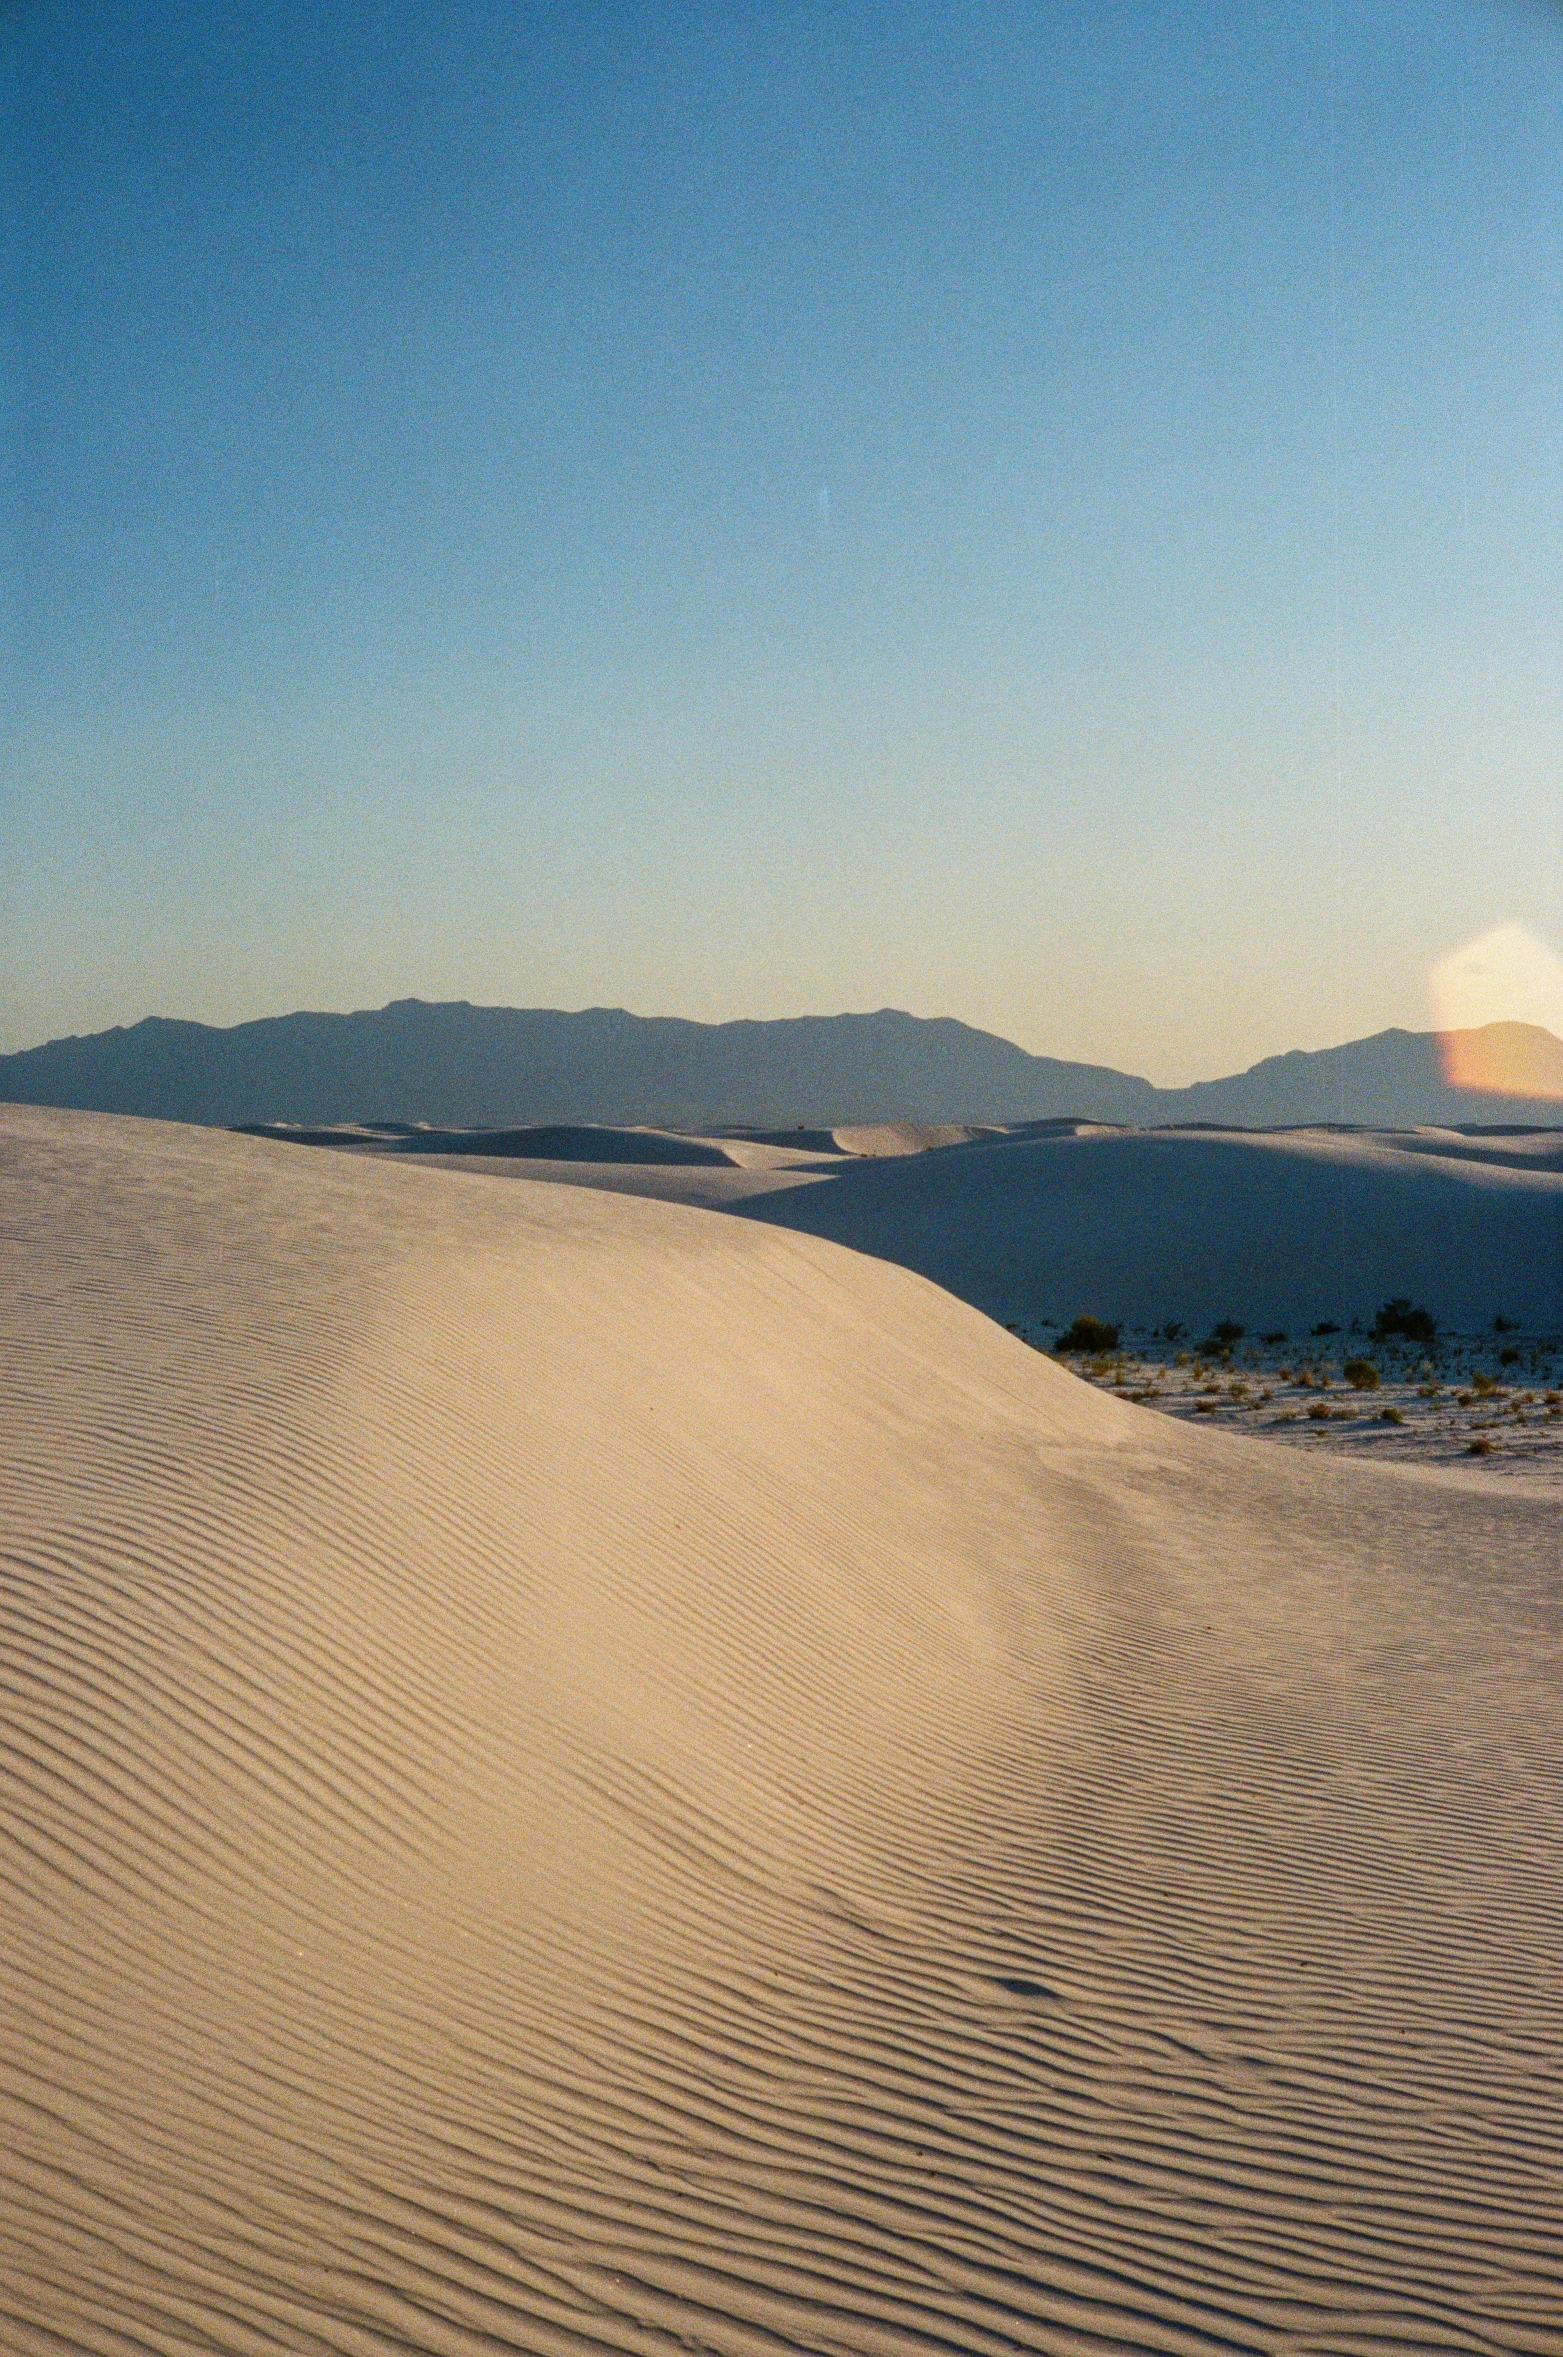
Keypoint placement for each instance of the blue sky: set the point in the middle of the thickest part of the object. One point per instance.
(1052, 515)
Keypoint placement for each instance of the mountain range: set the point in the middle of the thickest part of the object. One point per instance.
(460, 1064)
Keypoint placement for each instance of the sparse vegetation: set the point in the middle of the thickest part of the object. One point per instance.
(1406, 1395)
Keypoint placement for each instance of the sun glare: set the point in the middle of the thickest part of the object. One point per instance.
(1497, 1003)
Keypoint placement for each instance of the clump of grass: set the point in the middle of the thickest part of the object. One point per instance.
(1318, 1413)
(1482, 1383)
(1361, 1374)
(1392, 1416)
(1478, 1447)
(1087, 1334)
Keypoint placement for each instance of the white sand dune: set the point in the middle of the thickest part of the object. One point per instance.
(1276, 1228)
(581, 1776)
(876, 1139)
(1273, 1228)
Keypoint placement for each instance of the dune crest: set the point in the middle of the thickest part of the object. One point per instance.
(582, 1775)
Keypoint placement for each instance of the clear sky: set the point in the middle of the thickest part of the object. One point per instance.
(1046, 514)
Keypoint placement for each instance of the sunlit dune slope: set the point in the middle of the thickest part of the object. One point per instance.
(582, 1775)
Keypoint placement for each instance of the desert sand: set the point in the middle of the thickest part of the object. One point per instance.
(587, 1776)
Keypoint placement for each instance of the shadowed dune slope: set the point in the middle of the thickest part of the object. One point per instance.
(1275, 1228)
(585, 1776)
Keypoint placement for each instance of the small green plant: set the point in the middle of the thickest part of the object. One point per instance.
(1092, 1335)
(1361, 1374)
(1482, 1383)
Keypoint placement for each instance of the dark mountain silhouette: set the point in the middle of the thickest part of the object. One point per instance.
(459, 1064)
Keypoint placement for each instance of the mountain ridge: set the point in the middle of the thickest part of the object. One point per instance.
(453, 1062)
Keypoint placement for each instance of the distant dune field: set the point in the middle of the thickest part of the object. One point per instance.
(585, 1776)
(1270, 1227)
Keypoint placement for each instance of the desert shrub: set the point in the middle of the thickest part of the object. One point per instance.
(1326, 1328)
(1272, 1338)
(1223, 1336)
(1401, 1316)
(1318, 1413)
(1501, 1325)
(1484, 1383)
(1508, 1356)
(1478, 1448)
(1088, 1334)
(1392, 1416)
(1361, 1374)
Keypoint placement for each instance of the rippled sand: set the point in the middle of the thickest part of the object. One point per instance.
(584, 1775)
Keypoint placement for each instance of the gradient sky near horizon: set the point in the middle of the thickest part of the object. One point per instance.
(1051, 515)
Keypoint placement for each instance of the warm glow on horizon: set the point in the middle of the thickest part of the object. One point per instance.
(1498, 1005)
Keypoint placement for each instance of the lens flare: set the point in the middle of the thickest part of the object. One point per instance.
(1498, 1006)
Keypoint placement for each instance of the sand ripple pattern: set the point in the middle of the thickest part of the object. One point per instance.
(582, 1776)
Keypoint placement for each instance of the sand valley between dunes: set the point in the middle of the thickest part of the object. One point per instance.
(586, 1774)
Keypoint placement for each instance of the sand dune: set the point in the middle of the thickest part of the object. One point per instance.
(1273, 1228)
(584, 1776)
